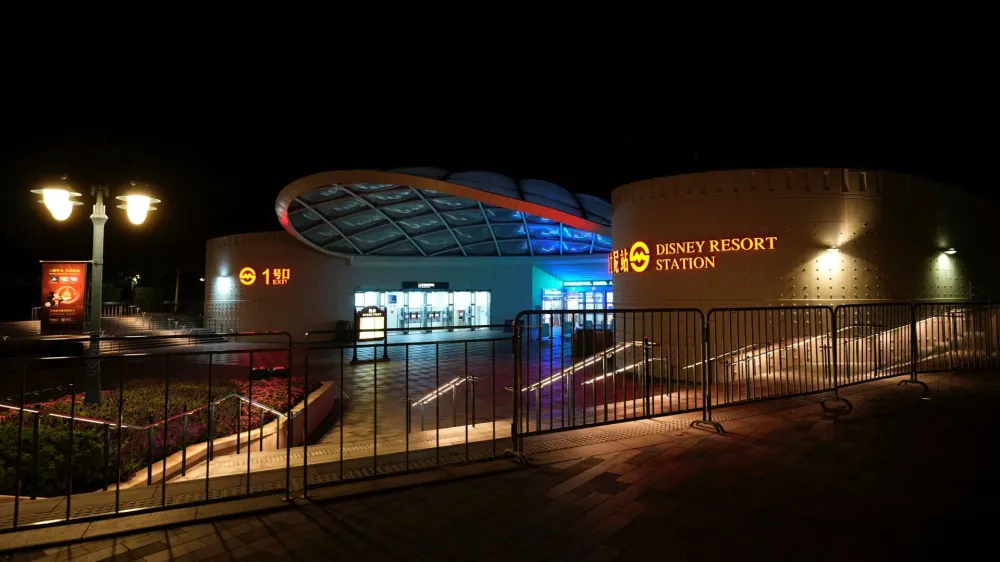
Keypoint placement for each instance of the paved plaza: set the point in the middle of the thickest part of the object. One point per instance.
(903, 475)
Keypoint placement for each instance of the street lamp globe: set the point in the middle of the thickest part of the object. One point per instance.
(58, 199)
(138, 203)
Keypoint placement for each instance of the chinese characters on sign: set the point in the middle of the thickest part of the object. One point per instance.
(371, 323)
(694, 254)
(64, 286)
(272, 276)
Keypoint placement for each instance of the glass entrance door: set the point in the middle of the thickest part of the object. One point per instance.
(413, 311)
(465, 314)
(437, 310)
(481, 307)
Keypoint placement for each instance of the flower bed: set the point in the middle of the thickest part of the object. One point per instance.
(141, 403)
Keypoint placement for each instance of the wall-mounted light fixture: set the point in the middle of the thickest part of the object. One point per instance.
(833, 249)
(951, 251)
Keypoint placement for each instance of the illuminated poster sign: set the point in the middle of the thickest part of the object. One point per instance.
(371, 323)
(588, 283)
(425, 285)
(64, 290)
(272, 276)
(693, 254)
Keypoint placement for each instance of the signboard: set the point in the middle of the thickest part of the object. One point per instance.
(588, 283)
(64, 293)
(271, 276)
(371, 323)
(425, 284)
(692, 254)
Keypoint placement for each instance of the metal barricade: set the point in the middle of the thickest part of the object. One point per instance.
(757, 354)
(956, 336)
(873, 341)
(578, 368)
(417, 401)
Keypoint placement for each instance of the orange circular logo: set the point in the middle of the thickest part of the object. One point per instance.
(638, 256)
(248, 276)
(67, 294)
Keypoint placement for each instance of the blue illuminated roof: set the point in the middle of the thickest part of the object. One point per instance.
(431, 212)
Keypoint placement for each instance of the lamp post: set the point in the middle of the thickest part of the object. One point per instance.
(60, 199)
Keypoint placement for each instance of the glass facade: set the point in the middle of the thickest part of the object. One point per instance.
(420, 309)
(579, 296)
(388, 219)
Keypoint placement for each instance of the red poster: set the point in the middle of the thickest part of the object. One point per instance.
(64, 293)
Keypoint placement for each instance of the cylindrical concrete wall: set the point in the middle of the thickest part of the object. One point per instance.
(890, 231)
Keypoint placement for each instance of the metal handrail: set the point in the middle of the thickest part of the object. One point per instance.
(109, 423)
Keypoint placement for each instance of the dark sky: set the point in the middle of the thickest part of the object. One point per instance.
(218, 163)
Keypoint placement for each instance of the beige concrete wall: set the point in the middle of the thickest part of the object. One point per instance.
(321, 288)
(890, 229)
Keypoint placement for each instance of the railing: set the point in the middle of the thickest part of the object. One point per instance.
(418, 404)
(349, 410)
(733, 356)
(106, 406)
(39, 414)
(121, 319)
(634, 364)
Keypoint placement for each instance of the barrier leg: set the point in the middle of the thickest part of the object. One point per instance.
(848, 407)
(706, 420)
(914, 355)
(913, 380)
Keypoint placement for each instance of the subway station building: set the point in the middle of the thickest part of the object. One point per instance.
(435, 248)
(432, 248)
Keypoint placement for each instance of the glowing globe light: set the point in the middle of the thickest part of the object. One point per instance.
(137, 205)
(58, 201)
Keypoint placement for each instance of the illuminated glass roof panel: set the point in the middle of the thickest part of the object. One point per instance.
(426, 211)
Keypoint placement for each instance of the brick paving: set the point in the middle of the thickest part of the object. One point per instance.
(899, 477)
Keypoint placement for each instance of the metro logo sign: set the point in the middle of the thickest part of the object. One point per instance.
(690, 254)
(634, 259)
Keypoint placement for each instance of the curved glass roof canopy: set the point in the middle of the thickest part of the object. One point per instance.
(431, 212)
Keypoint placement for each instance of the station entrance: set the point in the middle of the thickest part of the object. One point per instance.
(583, 296)
(421, 309)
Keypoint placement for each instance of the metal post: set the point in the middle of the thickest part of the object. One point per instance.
(645, 371)
(249, 417)
(515, 419)
(914, 355)
(288, 425)
(184, 433)
(93, 395)
(706, 381)
(239, 424)
(305, 424)
(20, 447)
(34, 452)
(104, 458)
(149, 452)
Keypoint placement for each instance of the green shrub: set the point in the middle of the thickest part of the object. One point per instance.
(141, 402)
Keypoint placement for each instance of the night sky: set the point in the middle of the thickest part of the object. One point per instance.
(219, 163)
